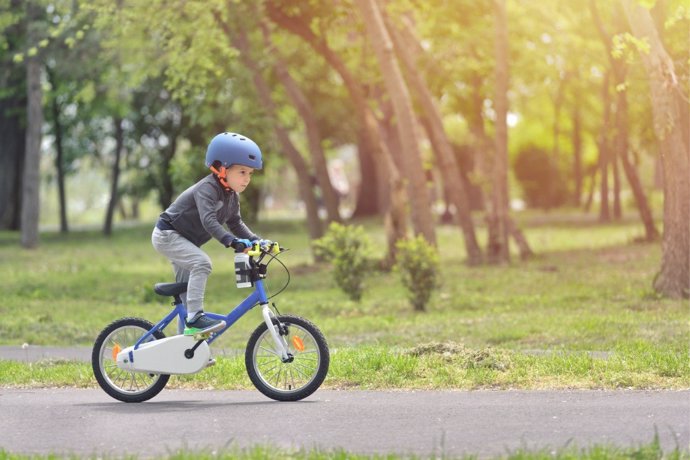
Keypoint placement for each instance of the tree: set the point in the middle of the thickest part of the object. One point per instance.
(418, 195)
(388, 181)
(621, 142)
(673, 279)
(404, 42)
(498, 219)
(34, 125)
(12, 115)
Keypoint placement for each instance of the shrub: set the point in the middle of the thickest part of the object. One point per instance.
(347, 248)
(543, 184)
(419, 267)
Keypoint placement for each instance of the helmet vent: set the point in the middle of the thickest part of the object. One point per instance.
(252, 157)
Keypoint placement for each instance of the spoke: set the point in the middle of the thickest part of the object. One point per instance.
(266, 371)
(303, 374)
(307, 370)
(269, 351)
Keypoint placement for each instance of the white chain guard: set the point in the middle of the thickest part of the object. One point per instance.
(165, 356)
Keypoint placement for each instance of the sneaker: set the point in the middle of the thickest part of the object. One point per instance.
(202, 324)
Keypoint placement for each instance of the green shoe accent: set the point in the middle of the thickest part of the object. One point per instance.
(191, 330)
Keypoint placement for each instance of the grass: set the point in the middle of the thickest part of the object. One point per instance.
(541, 323)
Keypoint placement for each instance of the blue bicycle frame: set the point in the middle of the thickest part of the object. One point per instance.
(180, 311)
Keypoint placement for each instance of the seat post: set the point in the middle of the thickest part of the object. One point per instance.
(178, 299)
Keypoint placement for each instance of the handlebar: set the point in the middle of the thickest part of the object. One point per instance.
(256, 250)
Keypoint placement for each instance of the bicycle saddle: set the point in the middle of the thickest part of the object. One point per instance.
(170, 289)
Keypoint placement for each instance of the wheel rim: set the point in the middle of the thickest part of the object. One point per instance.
(131, 383)
(292, 376)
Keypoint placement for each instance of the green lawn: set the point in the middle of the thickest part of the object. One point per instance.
(588, 290)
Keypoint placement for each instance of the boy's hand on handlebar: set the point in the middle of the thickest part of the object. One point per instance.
(268, 246)
(240, 244)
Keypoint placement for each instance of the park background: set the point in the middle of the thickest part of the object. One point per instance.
(538, 149)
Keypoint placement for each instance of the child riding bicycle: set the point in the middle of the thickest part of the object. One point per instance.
(198, 215)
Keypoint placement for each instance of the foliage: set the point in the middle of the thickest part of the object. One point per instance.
(348, 248)
(542, 182)
(419, 269)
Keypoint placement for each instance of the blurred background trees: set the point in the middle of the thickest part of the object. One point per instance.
(424, 113)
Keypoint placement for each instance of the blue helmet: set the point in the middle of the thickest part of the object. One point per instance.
(233, 149)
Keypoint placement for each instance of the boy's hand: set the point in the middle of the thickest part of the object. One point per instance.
(240, 244)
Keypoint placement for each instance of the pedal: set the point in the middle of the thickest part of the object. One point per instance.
(204, 336)
(211, 362)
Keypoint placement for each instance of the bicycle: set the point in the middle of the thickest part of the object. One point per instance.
(287, 356)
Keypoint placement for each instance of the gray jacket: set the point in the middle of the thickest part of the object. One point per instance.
(199, 212)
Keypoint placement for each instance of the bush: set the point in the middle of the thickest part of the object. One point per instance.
(347, 248)
(543, 184)
(419, 267)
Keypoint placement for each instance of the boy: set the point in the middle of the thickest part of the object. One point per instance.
(197, 215)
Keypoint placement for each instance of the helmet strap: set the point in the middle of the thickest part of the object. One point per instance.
(221, 174)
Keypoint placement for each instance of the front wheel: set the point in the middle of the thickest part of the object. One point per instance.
(121, 384)
(300, 376)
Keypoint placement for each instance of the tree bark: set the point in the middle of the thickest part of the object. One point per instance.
(114, 177)
(385, 166)
(59, 157)
(299, 100)
(604, 146)
(12, 126)
(34, 122)
(418, 195)
(13, 140)
(456, 192)
(304, 178)
(500, 249)
(673, 279)
(621, 121)
(367, 205)
(577, 152)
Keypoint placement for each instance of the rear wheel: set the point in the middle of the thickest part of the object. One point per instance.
(124, 385)
(302, 374)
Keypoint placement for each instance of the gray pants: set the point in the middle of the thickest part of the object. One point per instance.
(189, 262)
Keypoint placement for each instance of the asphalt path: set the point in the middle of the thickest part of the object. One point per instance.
(426, 423)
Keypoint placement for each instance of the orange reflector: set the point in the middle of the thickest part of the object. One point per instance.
(116, 350)
(298, 343)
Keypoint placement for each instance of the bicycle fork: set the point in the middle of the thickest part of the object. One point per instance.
(281, 346)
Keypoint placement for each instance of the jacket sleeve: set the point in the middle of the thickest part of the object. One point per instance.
(206, 199)
(235, 223)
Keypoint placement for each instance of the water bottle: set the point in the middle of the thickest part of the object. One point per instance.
(243, 277)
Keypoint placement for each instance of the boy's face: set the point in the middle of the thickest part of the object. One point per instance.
(238, 177)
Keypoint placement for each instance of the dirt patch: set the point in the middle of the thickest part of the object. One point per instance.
(485, 358)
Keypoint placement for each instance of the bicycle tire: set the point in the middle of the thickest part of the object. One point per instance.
(108, 374)
(303, 375)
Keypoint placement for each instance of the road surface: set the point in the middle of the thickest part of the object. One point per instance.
(487, 423)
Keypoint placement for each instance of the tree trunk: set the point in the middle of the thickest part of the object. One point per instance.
(604, 212)
(31, 181)
(367, 205)
(417, 191)
(304, 178)
(673, 280)
(115, 177)
(386, 167)
(618, 67)
(617, 209)
(448, 166)
(641, 202)
(500, 249)
(12, 124)
(13, 140)
(59, 157)
(577, 152)
(299, 100)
